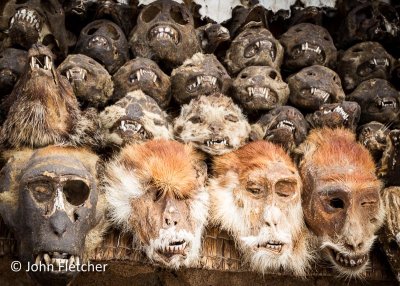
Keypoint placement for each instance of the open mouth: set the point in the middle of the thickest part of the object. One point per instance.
(57, 260)
(28, 16)
(353, 262)
(98, 42)
(371, 65)
(286, 124)
(387, 103)
(164, 32)
(143, 74)
(259, 45)
(41, 62)
(76, 74)
(222, 142)
(272, 245)
(131, 128)
(173, 248)
(307, 47)
(339, 110)
(316, 92)
(260, 92)
(201, 80)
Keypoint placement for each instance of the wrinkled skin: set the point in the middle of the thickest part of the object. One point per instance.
(213, 124)
(307, 44)
(364, 61)
(256, 196)
(379, 101)
(55, 208)
(12, 64)
(314, 86)
(211, 36)
(91, 82)
(143, 74)
(341, 200)
(390, 163)
(283, 125)
(373, 136)
(260, 88)
(200, 75)
(334, 115)
(164, 208)
(311, 14)
(134, 118)
(105, 42)
(172, 48)
(254, 46)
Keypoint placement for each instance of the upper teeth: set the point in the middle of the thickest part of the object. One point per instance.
(201, 79)
(260, 45)
(320, 93)
(130, 126)
(174, 248)
(142, 72)
(384, 62)
(339, 110)
(273, 245)
(26, 15)
(286, 124)
(76, 73)
(165, 32)
(212, 142)
(389, 103)
(258, 91)
(349, 261)
(307, 47)
(35, 63)
(55, 259)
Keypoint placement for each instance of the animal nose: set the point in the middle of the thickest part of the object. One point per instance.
(258, 78)
(272, 216)
(354, 245)
(171, 215)
(216, 127)
(59, 223)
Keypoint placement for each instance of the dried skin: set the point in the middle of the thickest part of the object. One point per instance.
(390, 163)
(12, 64)
(373, 136)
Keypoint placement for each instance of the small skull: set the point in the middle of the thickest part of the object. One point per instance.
(105, 42)
(379, 101)
(314, 86)
(200, 75)
(165, 33)
(283, 125)
(143, 74)
(373, 136)
(91, 82)
(12, 64)
(334, 115)
(254, 46)
(260, 88)
(364, 61)
(306, 45)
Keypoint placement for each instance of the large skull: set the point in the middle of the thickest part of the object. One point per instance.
(12, 63)
(341, 200)
(260, 88)
(105, 42)
(256, 196)
(364, 61)
(50, 200)
(213, 124)
(306, 45)
(314, 86)
(156, 191)
(283, 125)
(143, 74)
(165, 32)
(373, 136)
(134, 118)
(91, 82)
(254, 46)
(200, 75)
(379, 101)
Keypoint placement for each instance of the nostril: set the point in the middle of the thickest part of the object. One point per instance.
(175, 222)
(350, 247)
(267, 223)
(167, 221)
(360, 245)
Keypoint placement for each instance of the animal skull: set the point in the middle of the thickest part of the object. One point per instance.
(12, 63)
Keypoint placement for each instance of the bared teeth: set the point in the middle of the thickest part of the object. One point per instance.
(258, 91)
(201, 79)
(218, 142)
(286, 124)
(165, 32)
(320, 93)
(349, 261)
(308, 47)
(26, 15)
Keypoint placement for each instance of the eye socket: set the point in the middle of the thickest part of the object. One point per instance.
(195, 119)
(336, 203)
(114, 33)
(357, 50)
(231, 118)
(285, 189)
(177, 15)
(91, 31)
(254, 190)
(76, 192)
(273, 75)
(150, 13)
(244, 75)
(326, 38)
(158, 195)
(42, 191)
(298, 30)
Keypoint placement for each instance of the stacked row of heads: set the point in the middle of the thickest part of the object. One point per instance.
(67, 78)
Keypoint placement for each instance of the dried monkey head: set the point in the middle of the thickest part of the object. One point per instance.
(211, 36)
(334, 115)
(341, 200)
(165, 32)
(379, 101)
(91, 82)
(373, 136)
(314, 86)
(254, 46)
(307, 44)
(49, 198)
(12, 63)
(143, 74)
(213, 124)
(283, 125)
(134, 118)
(256, 195)
(364, 61)
(200, 75)
(44, 109)
(390, 164)
(105, 42)
(156, 190)
(260, 88)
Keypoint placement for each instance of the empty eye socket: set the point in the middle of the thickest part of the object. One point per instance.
(114, 33)
(254, 190)
(195, 119)
(273, 74)
(157, 195)
(18, 2)
(357, 50)
(298, 30)
(365, 13)
(231, 118)
(48, 40)
(336, 203)
(42, 191)
(285, 189)
(76, 192)
(93, 30)
(244, 75)
(326, 38)
(150, 13)
(177, 15)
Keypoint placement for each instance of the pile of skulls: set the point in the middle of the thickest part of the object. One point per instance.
(154, 121)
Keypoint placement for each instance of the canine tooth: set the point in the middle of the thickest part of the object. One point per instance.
(375, 62)
(46, 258)
(352, 262)
(38, 258)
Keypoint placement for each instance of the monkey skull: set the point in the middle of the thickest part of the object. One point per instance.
(373, 136)
(12, 64)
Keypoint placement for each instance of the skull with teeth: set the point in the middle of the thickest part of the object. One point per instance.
(134, 118)
(334, 115)
(156, 190)
(105, 42)
(341, 201)
(165, 33)
(389, 168)
(91, 82)
(50, 200)
(373, 136)
(256, 196)
(364, 61)
(313, 86)
(12, 63)
(143, 74)
(283, 125)
(213, 124)
(200, 75)
(260, 88)
(307, 44)
(254, 46)
(25, 27)
(379, 101)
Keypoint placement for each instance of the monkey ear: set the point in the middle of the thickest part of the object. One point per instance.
(201, 171)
